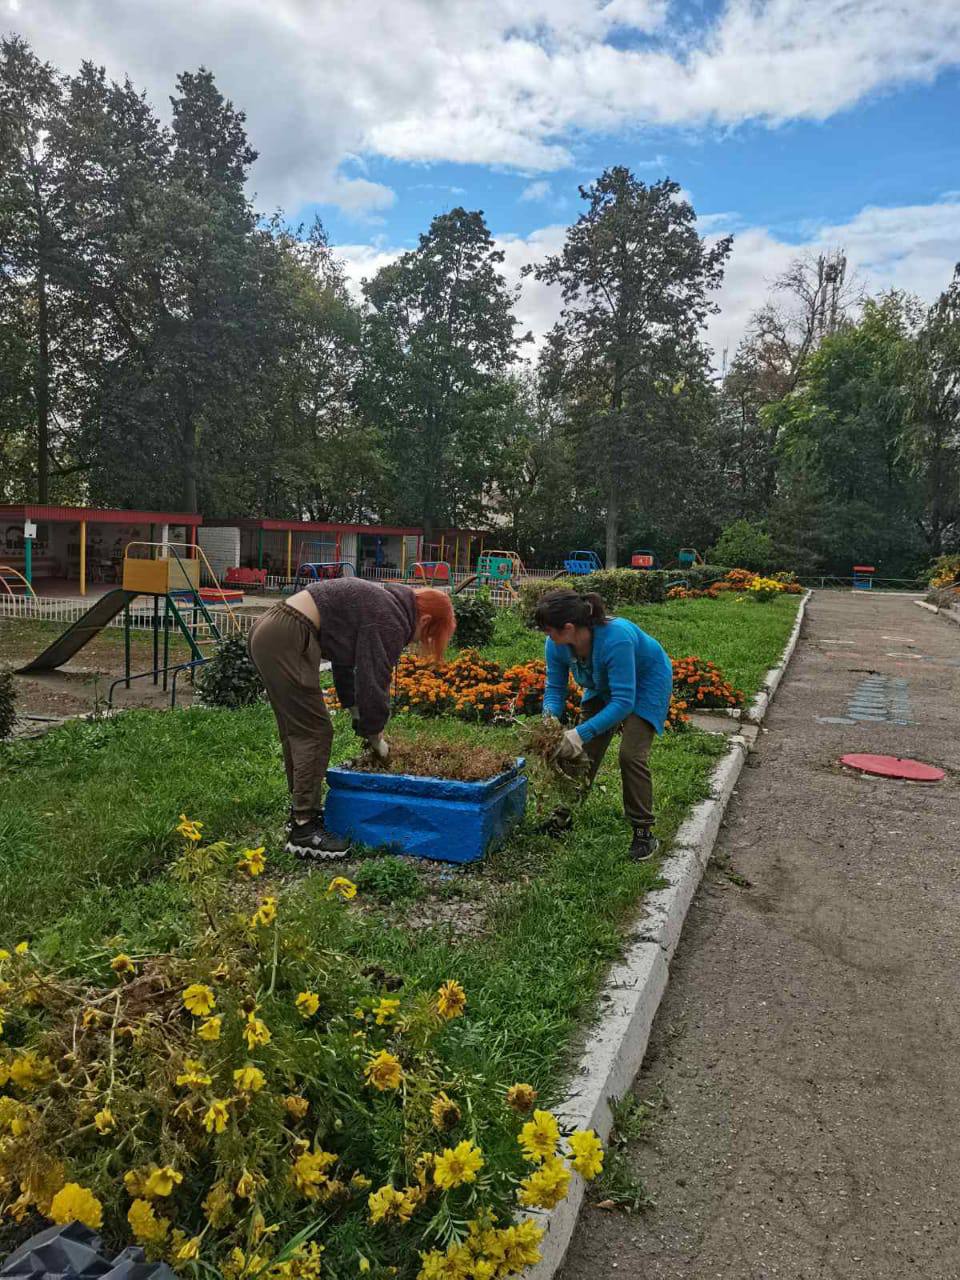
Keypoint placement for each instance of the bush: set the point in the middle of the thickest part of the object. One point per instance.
(476, 619)
(745, 544)
(945, 571)
(8, 704)
(617, 587)
(230, 679)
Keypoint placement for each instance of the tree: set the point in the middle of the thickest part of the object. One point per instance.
(35, 324)
(930, 442)
(439, 336)
(635, 279)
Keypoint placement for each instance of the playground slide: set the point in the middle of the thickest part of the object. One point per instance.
(81, 631)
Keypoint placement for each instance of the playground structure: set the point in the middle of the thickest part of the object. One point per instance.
(172, 581)
(501, 570)
(430, 573)
(14, 583)
(579, 563)
(687, 557)
(643, 559)
(863, 577)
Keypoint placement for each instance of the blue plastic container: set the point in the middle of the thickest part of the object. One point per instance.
(426, 817)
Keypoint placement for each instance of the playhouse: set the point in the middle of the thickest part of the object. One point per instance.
(80, 550)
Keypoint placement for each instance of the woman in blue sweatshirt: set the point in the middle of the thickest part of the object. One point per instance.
(626, 679)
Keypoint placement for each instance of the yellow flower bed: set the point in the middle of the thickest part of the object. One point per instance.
(252, 1103)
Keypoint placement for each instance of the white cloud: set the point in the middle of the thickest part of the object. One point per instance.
(909, 247)
(537, 191)
(505, 82)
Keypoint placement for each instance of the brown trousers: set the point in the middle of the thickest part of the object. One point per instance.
(285, 648)
(635, 744)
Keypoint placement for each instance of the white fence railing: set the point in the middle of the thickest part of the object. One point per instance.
(42, 609)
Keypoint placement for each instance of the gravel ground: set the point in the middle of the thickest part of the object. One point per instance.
(808, 1045)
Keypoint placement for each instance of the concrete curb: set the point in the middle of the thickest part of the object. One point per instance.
(634, 986)
(950, 614)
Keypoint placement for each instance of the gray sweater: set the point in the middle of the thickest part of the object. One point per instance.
(364, 627)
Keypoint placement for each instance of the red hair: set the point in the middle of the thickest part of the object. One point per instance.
(437, 622)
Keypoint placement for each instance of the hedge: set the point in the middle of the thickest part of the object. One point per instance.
(621, 586)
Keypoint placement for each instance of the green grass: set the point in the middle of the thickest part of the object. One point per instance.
(86, 834)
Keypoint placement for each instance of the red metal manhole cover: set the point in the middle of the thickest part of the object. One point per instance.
(893, 767)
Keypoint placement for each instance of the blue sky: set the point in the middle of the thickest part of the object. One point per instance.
(798, 125)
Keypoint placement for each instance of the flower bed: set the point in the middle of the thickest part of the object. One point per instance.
(741, 581)
(261, 1105)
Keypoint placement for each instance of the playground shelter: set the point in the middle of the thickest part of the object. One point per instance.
(82, 548)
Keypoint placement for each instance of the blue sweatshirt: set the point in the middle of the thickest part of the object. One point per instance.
(626, 668)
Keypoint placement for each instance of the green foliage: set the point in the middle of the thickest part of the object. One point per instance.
(8, 703)
(746, 545)
(389, 879)
(230, 679)
(619, 587)
(476, 618)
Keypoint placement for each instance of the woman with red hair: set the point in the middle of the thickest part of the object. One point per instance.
(362, 628)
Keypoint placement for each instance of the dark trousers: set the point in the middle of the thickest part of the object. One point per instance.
(635, 744)
(285, 648)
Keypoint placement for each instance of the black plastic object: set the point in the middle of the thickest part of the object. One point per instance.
(74, 1252)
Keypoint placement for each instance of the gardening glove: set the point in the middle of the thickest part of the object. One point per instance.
(378, 745)
(571, 746)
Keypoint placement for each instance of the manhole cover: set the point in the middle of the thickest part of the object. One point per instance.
(893, 767)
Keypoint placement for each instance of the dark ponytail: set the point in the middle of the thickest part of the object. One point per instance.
(557, 608)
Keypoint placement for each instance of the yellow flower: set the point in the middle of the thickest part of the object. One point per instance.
(388, 1204)
(546, 1186)
(363, 1265)
(587, 1153)
(252, 861)
(194, 1075)
(210, 1029)
(104, 1120)
(28, 1071)
(147, 1228)
(307, 1002)
(386, 1012)
(521, 1097)
(22, 948)
(91, 1018)
(360, 1183)
(384, 1071)
(199, 1000)
(189, 1250)
(296, 1106)
(249, 1079)
(217, 1116)
(346, 888)
(265, 914)
(246, 1185)
(539, 1136)
(161, 1180)
(4, 954)
(189, 829)
(444, 1112)
(457, 1166)
(256, 1032)
(122, 964)
(451, 1000)
(521, 1245)
(218, 1204)
(309, 1172)
(74, 1203)
(455, 1264)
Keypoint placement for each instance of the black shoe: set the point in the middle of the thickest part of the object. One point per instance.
(312, 840)
(559, 821)
(644, 845)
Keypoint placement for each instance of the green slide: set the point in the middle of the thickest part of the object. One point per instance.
(84, 629)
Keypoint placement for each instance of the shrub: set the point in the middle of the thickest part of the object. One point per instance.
(8, 704)
(256, 1099)
(744, 544)
(618, 587)
(945, 571)
(230, 679)
(765, 589)
(476, 620)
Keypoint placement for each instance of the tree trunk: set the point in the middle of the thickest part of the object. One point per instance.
(42, 391)
(613, 522)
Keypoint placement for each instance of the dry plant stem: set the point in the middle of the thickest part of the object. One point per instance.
(460, 762)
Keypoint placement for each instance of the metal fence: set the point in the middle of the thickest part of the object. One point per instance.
(42, 609)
